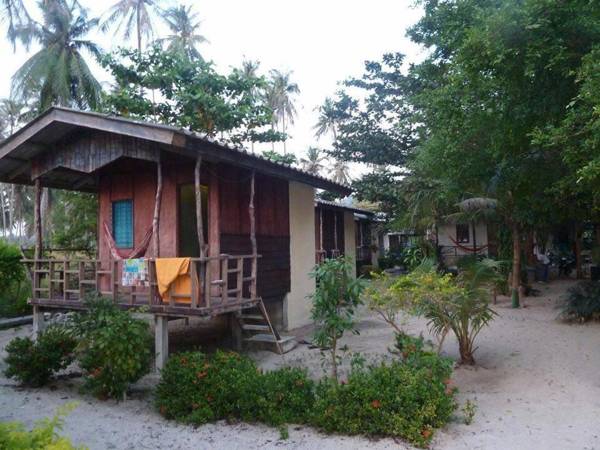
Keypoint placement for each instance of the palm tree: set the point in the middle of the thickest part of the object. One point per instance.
(16, 15)
(328, 120)
(340, 172)
(313, 161)
(283, 91)
(11, 115)
(250, 68)
(184, 26)
(128, 14)
(58, 73)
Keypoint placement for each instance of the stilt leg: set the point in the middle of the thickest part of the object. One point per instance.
(161, 341)
(39, 322)
(236, 332)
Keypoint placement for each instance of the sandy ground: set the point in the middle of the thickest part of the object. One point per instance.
(536, 386)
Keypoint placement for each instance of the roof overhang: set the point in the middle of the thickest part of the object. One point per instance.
(39, 135)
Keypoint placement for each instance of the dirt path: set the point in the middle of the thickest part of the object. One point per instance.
(537, 386)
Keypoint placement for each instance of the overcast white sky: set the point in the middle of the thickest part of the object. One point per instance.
(321, 41)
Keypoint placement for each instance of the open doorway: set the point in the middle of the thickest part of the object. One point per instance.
(188, 234)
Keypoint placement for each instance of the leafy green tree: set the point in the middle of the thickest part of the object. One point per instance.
(335, 300)
(288, 159)
(130, 15)
(193, 95)
(58, 73)
(184, 27)
(462, 123)
(74, 220)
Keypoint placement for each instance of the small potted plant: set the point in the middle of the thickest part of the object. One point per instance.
(595, 267)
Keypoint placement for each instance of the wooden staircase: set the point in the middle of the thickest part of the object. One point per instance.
(258, 331)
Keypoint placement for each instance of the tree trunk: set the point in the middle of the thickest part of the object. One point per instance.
(284, 135)
(516, 266)
(273, 130)
(334, 371)
(466, 353)
(3, 208)
(199, 217)
(578, 245)
(11, 221)
(156, 217)
(139, 28)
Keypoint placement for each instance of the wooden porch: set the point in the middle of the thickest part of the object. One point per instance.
(219, 285)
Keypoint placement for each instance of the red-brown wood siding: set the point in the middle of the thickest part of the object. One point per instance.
(329, 228)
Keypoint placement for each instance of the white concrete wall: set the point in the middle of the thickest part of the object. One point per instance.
(447, 231)
(302, 254)
(350, 238)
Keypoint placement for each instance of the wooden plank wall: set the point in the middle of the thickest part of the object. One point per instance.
(272, 225)
(328, 229)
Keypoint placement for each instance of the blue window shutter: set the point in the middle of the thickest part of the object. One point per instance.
(122, 219)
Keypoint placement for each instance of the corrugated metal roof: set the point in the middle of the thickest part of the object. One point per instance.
(9, 154)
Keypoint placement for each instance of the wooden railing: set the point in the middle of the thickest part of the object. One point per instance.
(322, 255)
(218, 284)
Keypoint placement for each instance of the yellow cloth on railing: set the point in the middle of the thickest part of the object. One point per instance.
(173, 278)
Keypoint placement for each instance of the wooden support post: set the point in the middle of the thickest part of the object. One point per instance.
(335, 233)
(161, 341)
(39, 322)
(236, 332)
(156, 218)
(199, 219)
(321, 230)
(253, 236)
(37, 219)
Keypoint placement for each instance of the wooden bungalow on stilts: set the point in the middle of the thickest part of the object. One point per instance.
(344, 230)
(237, 230)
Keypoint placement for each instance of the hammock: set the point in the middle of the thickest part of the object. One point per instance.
(467, 249)
(137, 252)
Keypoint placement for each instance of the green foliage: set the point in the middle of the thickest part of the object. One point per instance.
(582, 302)
(194, 96)
(406, 399)
(388, 304)
(14, 288)
(415, 352)
(57, 74)
(396, 400)
(74, 220)
(288, 158)
(334, 304)
(43, 436)
(34, 363)
(114, 347)
(195, 388)
(469, 410)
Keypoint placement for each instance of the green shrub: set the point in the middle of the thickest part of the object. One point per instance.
(114, 349)
(414, 352)
(33, 363)
(44, 436)
(334, 304)
(286, 395)
(197, 389)
(407, 399)
(582, 302)
(14, 289)
(395, 400)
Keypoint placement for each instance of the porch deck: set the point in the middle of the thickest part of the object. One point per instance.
(219, 285)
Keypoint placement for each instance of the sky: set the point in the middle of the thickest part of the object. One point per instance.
(322, 42)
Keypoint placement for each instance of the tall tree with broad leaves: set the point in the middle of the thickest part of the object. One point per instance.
(283, 91)
(464, 123)
(193, 95)
(129, 16)
(184, 27)
(58, 74)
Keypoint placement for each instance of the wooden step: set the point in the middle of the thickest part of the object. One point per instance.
(251, 317)
(268, 342)
(253, 327)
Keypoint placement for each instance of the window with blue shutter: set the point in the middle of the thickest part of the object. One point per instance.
(122, 221)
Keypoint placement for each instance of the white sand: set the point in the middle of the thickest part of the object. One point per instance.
(536, 385)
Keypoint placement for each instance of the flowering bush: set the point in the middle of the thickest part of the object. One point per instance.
(408, 398)
(34, 363)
